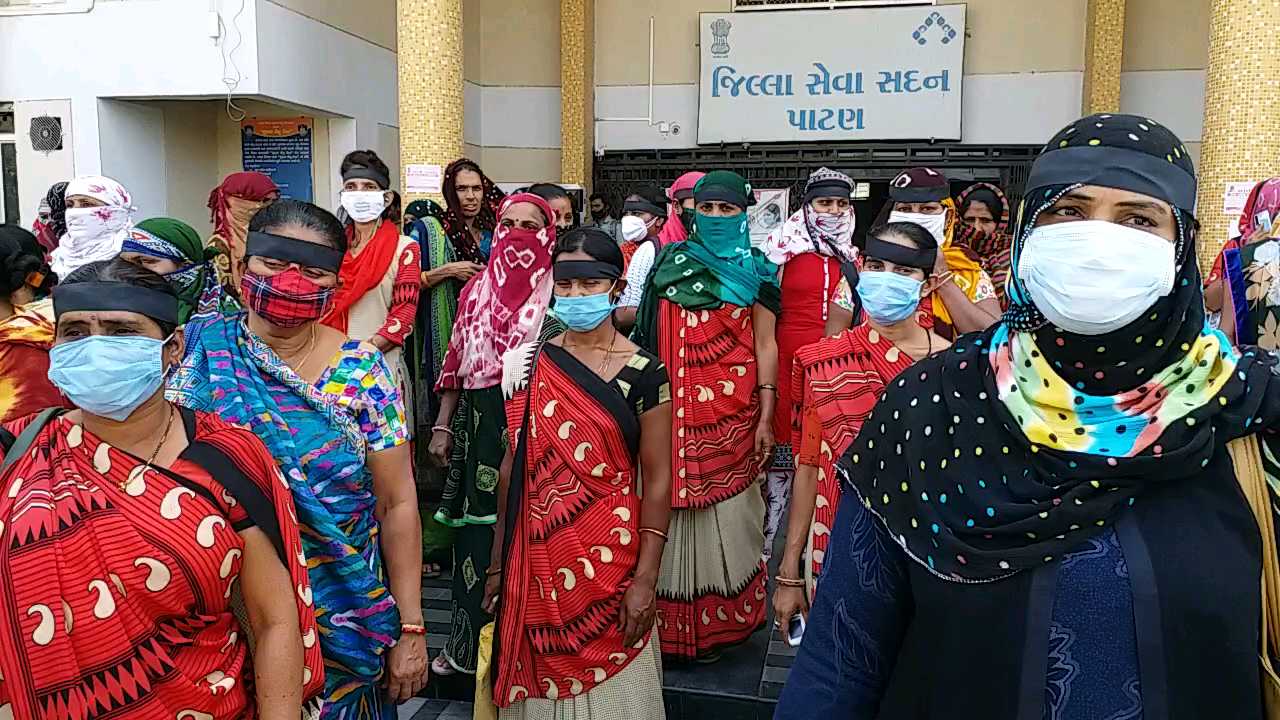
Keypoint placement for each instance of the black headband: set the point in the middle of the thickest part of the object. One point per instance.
(102, 295)
(828, 188)
(585, 270)
(360, 172)
(709, 193)
(921, 258)
(1118, 168)
(682, 194)
(643, 205)
(306, 254)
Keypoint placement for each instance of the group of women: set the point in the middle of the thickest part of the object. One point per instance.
(995, 447)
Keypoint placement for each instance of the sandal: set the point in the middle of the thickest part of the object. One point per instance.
(431, 570)
(441, 667)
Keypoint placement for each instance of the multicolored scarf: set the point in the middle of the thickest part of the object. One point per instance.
(1020, 443)
(196, 279)
(503, 306)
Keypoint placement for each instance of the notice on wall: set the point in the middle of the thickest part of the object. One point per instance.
(280, 148)
(1233, 201)
(423, 179)
(772, 208)
(853, 74)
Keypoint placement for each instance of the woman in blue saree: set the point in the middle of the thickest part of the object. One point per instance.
(329, 411)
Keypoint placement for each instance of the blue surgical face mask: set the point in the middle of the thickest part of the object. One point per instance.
(108, 376)
(724, 236)
(584, 312)
(889, 297)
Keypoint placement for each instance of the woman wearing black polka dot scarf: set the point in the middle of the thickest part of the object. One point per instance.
(1044, 520)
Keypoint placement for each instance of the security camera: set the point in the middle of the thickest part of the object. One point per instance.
(675, 128)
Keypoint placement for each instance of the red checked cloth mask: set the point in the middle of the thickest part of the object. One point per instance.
(287, 299)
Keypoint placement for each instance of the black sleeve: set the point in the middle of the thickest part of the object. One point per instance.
(652, 386)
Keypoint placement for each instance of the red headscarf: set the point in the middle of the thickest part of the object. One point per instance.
(673, 230)
(1265, 197)
(504, 306)
(244, 185)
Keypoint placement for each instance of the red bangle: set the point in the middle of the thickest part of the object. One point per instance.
(409, 629)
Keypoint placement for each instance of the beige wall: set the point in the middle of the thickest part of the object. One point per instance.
(1005, 36)
(511, 42)
(1166, 35)
(191, 159)
(1014, 36)
(503, 164)
(372, 20)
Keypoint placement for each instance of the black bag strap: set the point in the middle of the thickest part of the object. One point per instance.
(23, 442)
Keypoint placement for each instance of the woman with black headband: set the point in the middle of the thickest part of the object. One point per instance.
(1047, 519)
(836, 381)
(151, 558)
(377, 297)
(329, 410)
(591, 415)
(968, 303)
(644, 218)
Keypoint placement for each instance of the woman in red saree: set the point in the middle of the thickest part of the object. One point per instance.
(836, 382)
(813, 250)
(583, 510)
(709, 314)
(125, 577)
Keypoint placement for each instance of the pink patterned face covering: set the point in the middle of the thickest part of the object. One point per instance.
(504, 306)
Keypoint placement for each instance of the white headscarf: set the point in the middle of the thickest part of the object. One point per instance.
(96, 233)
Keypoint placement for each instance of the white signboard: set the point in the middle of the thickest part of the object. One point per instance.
(768, 214)
(423, 179)
(1236, 195)
(861, 74)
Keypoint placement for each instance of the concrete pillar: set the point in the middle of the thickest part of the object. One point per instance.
(430, 77)
(577, 91)
(1103, 54)
(1241, 118)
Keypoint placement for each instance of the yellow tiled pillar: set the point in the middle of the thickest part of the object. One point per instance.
(1103, 54)
(1241, 117)
(577, 91)
(430, 69)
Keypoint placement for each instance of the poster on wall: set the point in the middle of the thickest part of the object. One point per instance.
(280, 148)
(768, 214)
(855, 74)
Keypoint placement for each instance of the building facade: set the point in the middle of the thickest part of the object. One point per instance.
(1029, 67)
(138, 89)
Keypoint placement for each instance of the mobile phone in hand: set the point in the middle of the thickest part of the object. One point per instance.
(795, 630)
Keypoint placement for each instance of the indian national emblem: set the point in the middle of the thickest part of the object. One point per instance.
(720, 37)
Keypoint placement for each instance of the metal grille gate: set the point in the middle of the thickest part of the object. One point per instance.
(789, 165)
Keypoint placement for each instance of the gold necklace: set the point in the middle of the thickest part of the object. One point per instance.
(168, 426)
(608, 354)
(311, 348)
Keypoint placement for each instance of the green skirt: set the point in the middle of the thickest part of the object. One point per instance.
(470, 504)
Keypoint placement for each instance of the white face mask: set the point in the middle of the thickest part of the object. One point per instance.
(633, 228)
(364, 205)
(1093, 277)
(935, 224)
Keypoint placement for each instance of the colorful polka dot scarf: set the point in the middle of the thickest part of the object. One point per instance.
(1020, 443)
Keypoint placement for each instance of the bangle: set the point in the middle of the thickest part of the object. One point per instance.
(493, 571)
(767, 386)
(654, 531)
(410, 629)
(443, 429)
(789, 582)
